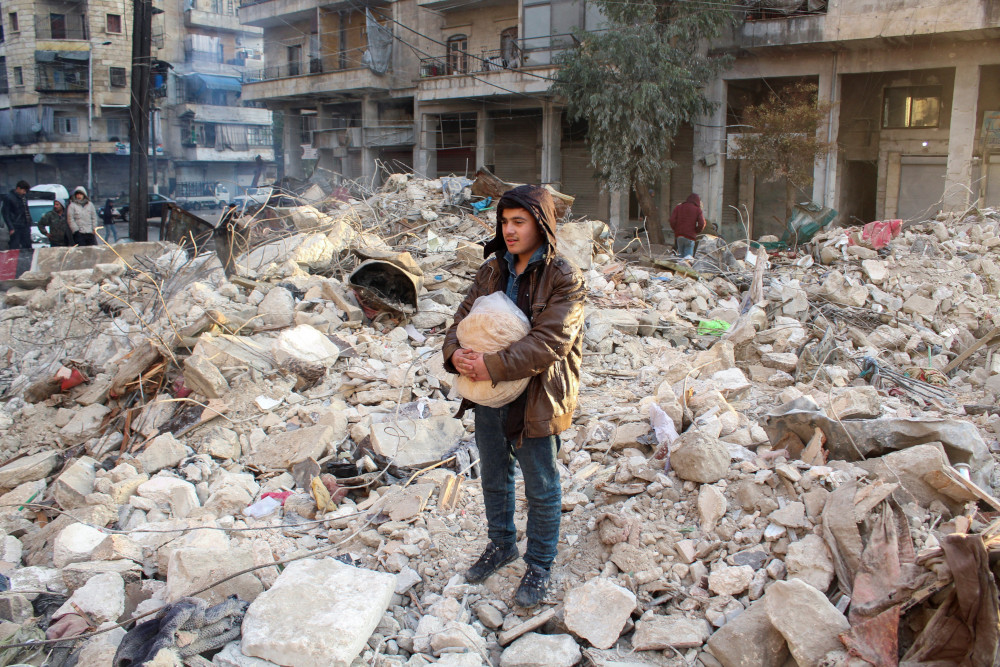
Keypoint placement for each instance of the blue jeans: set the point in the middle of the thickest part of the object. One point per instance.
(685, 247)
(537, 458)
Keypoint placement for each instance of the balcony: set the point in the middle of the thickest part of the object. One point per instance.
(61, 77)
(70, 28)
(789, 30)
(270, 13)
(211, 154)
(461, 62)
(294, 80)
(222, 20)
(210, 113)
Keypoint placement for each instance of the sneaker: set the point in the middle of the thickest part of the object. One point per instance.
(493, 559)
(533, 586)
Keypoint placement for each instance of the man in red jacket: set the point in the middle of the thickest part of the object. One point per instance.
(687, 221)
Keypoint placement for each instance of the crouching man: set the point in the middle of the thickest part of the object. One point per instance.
(550, 291)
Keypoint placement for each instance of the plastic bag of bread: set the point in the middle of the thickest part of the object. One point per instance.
(494, 323)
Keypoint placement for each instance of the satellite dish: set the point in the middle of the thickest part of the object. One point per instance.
(39, 158)
(36, 127)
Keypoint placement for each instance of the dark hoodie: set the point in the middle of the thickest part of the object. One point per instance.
(537, 201)
(687, 219)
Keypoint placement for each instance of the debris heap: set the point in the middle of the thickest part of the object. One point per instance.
(244, 453)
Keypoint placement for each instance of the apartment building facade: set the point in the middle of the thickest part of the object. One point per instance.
(59, 59)
(208, 135)
(913, 88)
(911, 84)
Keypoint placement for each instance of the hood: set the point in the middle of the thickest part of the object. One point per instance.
(693, 199)
(533, 198)
(79, 189)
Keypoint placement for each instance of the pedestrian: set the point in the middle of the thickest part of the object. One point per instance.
(687, 221)
(17, 216)
(526, 266)
(55, 227)
(108, 219)
(82, 217)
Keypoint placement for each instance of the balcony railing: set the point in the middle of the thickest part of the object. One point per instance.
(48, 30)
(461, 62)
(288, 70)
(761, 11)
(64, 79)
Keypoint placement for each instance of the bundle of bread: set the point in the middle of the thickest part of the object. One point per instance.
(494, 323)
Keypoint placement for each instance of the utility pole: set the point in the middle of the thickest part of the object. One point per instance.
(152, 132)
(138, 134)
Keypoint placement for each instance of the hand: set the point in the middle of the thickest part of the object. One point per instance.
(470, 364)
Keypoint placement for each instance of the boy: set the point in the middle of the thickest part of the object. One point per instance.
(550, 291)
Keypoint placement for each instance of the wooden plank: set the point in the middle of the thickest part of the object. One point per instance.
(957, 361)
(532, 623)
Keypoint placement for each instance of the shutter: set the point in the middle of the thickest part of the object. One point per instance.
(456, 161)
(580, 181)
(517, 154)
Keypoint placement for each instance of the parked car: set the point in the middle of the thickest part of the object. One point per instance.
(253, 197)
(156, 206)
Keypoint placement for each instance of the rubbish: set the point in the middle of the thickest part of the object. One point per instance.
(185, 628)
(388, 284)
(859, 439)
(713, 327)
(494, 323)
(263, 507)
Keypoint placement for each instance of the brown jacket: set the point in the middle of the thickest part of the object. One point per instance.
(551, 294)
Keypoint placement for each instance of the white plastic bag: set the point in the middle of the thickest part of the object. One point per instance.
(494, 323)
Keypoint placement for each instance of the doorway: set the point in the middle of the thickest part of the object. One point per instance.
(860, 192)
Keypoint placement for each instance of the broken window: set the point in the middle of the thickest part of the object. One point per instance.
(911, 106)
(117, 75)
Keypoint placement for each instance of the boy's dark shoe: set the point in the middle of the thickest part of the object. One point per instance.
(493, 559)
(533, 585)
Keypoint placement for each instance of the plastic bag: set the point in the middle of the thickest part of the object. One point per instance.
(494, 323)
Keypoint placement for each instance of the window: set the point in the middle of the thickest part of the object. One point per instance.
(67, 125)
(912, 106)
(118, 77)
(117, 129)
(1, 28)
(13, 22)
(18, 76)
(3, 75)
(259, 135)
(294, 60)
(458, 54)
(61, 77)
(114, 23)
(57, 26)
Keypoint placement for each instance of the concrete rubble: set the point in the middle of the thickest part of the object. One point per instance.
(793, 486)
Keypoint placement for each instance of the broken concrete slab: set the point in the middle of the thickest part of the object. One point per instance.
(293, 446)
(654, 632)
(319, 613)
(806, 619)
(598, 610)
(749, 640)
(28, 469)
(416, 442)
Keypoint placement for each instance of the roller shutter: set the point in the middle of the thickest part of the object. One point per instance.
(517, 152)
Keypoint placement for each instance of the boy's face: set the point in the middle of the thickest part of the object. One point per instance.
(521, 232)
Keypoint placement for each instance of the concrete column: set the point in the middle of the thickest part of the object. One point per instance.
(369, 119)
(962, 139)
(324, 121)
(710, 152)
(292, 143)
(618, 214)
(485, 139)
(425, 150)
(825, 169)
(552, 145)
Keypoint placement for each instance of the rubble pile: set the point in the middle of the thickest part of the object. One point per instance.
(778, 459)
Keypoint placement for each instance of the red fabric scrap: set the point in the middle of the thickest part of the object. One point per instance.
(277, 495)
(879, 233)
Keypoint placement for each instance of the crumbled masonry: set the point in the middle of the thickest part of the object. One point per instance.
(770, 465)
